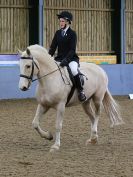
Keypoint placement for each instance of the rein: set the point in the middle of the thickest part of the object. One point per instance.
(32, 72)
(44, 75)
(60, 73)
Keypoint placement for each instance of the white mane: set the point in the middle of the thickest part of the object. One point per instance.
(38, 47)
(41, 54)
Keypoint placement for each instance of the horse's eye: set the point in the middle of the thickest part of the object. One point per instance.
(28, 66)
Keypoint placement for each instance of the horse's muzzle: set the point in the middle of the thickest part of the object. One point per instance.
(24, 89)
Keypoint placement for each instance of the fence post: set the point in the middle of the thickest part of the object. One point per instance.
(41, 22)
(123, 58)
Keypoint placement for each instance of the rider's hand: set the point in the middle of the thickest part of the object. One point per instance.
(64, 62)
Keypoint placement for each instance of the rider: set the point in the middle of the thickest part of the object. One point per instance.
(65, 40)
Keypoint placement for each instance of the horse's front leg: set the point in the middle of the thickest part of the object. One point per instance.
(39, 112)
(59, 122)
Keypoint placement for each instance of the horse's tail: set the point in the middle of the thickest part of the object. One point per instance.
(112, 109)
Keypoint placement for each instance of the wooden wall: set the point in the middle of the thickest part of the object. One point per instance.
(92, 22)
(129, 30)
(14, 24)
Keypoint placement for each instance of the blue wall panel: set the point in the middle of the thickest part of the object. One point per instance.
(120, 78)
(9, 79)
(120, 81)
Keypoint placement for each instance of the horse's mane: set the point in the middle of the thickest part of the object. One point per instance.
(38, 48)
(41, 53)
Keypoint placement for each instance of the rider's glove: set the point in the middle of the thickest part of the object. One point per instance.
(64, 62)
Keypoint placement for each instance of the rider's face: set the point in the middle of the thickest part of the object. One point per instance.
(63, 22)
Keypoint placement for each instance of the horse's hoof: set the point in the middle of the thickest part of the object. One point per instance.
(54, 148)
(50, 137)
(47, 136)
(94, 141)
(91, 141)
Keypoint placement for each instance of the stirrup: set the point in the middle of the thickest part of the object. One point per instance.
(81, 96)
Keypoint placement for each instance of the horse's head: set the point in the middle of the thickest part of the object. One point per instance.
(28, 68)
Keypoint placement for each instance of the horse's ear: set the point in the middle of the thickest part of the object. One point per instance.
(19, 52)
(28, 51)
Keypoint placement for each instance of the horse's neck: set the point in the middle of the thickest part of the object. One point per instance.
(46, 65)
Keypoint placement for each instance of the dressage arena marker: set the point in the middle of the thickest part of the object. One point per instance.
(131, 96)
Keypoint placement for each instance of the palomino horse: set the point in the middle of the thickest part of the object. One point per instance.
(54, 87)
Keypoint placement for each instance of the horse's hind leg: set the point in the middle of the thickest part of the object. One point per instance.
(39, 112)
(94, 117)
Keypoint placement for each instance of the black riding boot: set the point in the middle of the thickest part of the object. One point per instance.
(79, 87)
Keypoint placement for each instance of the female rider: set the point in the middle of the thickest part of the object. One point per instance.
(65, 40)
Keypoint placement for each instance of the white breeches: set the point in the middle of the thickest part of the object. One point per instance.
(74, 67)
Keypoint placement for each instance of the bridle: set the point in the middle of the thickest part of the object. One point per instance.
(30, 78)
(32, 71)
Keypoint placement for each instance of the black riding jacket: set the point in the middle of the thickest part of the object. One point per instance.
(66, 46)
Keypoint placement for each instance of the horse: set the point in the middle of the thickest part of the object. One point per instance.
(54, 86)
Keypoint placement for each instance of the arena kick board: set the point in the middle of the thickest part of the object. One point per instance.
(109, 59)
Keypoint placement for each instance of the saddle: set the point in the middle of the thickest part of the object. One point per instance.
(73, 83)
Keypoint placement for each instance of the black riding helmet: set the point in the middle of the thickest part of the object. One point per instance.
(66, 15)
